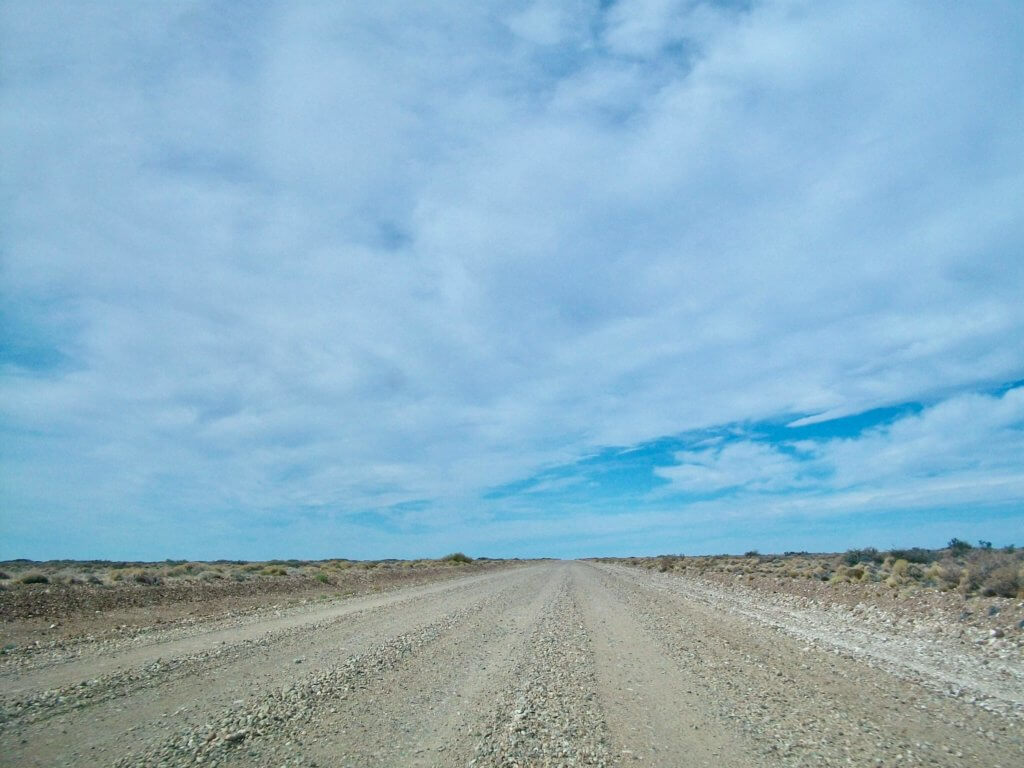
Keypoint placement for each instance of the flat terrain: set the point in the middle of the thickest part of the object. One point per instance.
(551, 663)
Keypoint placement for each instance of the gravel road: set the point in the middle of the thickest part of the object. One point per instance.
(553, 664)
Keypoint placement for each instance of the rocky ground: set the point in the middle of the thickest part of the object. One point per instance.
(94, 604)
(548, 664)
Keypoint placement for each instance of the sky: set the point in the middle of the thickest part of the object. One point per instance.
(392, 279)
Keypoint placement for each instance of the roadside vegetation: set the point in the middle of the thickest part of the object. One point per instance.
(968, 569)
(80, 587)
(107, 573)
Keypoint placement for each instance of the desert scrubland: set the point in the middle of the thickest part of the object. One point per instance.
(799, 659)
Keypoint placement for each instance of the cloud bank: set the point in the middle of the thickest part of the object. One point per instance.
(322, 278)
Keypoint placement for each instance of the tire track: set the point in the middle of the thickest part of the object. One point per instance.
(653, 712)
(91, 659)
(993, 684)
(807, 706)
(428, 712)
(550, 714)
(187, 693)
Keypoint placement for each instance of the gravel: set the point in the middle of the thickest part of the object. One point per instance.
(549, 714)
(283, 716)
(811, 703)
(982, 666)
(551, 664)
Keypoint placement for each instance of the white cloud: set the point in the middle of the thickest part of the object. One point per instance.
(644, 27)
(962, 451)
(548, 23)
(746, 465)
(356, 255)
(974, 437)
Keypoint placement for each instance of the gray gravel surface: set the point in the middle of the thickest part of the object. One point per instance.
(556, 664)
(550, 713)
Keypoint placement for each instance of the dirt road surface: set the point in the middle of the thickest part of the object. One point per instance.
(553, 664)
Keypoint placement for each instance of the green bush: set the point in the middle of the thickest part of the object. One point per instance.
(958, 546)
(866, 555)
(34, 578)
(457, 557)
(914, 555)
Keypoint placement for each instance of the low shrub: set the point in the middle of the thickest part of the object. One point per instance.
(866, 555)
(457, 557)
(274, 570)
(853, 574)
(34, 578)
(667, 562)
(1004, 581)
(958, 546)
(993, 573)
(914, 555)
(4, 575)
(822, 573)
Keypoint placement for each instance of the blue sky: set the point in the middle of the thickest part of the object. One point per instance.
(536, 278)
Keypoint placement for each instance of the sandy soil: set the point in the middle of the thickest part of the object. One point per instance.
(552, 664)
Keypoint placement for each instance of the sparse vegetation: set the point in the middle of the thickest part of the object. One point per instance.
(92, 574)
(959, 567)
(958, 546)
(866, 555)
(146, 577)
(914, 555)
(55, 587)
